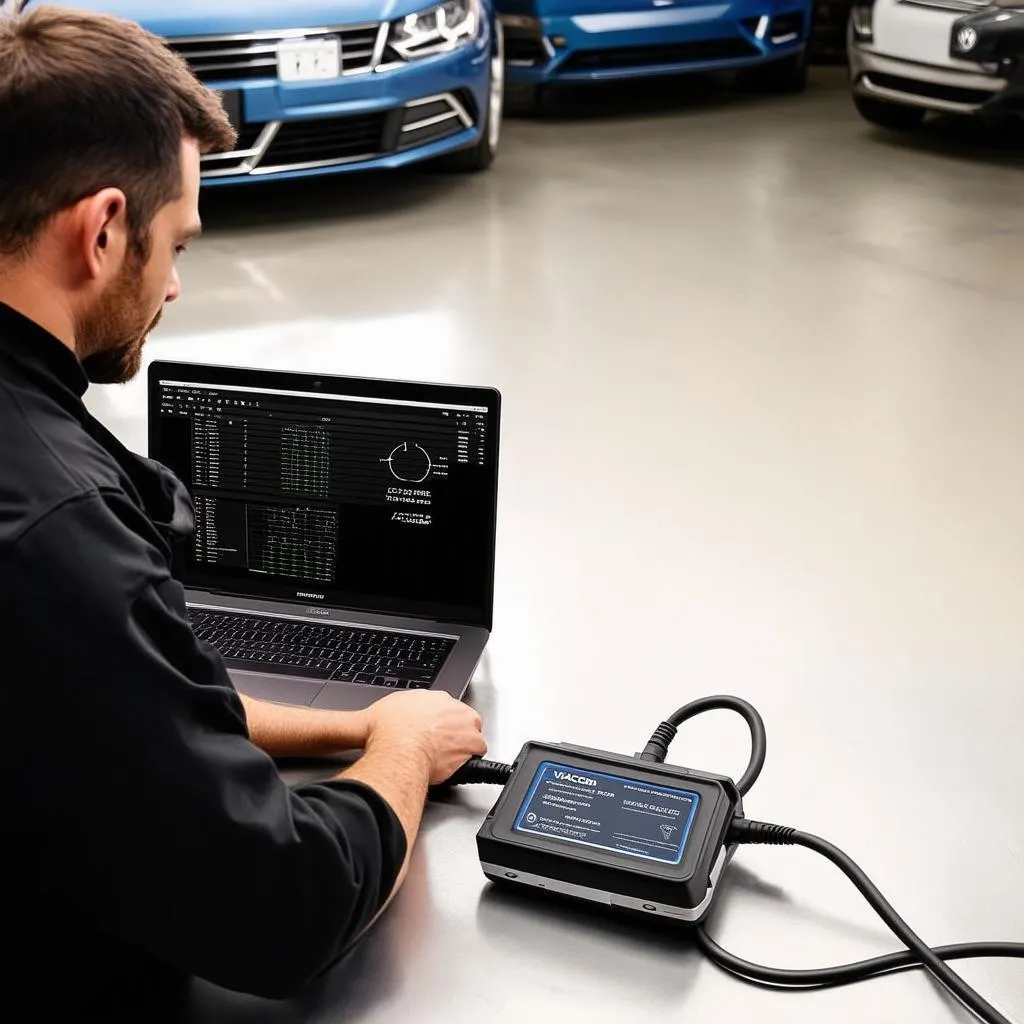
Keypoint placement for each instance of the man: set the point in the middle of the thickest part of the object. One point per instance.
(147, 834)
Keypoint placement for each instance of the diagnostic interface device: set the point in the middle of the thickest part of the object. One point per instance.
(634, 835)
(638, 835)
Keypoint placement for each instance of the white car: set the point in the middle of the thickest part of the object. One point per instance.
(909, 57)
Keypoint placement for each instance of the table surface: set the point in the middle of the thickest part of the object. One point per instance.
(793, 496)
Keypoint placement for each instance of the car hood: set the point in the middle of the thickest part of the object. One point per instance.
(571, 8)
(212, 17)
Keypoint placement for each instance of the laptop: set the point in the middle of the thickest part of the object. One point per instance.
(344, 528)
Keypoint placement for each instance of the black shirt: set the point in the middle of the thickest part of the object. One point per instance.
(144, 837)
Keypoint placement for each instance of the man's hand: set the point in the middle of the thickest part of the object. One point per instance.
(444, 730)
(415, 739)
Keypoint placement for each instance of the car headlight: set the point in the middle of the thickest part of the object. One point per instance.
(862, 21)
(438, 29)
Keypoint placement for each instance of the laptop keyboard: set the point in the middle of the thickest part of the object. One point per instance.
(341, 654)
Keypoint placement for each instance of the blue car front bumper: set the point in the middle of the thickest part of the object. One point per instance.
(384, 117)
(658, 41)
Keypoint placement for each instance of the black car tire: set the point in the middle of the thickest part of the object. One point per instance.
(894, 116)
(788, 75)
(826, 41)
(481, 155)
(525, 100)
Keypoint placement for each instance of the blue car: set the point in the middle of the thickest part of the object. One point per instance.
(548, 42)
(326, 86)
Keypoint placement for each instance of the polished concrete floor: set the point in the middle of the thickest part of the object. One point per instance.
(763, 433)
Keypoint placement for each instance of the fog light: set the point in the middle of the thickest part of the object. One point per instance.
(786, 29)
(862, 21)
(558, 42)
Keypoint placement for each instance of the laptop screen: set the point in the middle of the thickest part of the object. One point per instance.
(359, 494)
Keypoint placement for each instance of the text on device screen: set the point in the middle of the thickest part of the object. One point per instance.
(364, 501)
(608, 812)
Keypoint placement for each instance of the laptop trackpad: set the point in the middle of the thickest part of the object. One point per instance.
(281, 689)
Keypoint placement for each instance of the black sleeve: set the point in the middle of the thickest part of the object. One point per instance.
(164, 823)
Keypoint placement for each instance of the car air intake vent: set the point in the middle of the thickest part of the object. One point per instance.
(672, 53)
(254, 56)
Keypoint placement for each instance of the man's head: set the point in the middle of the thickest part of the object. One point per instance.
(101, 131)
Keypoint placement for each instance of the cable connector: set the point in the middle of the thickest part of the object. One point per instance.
(745, 831)
(476, 771)
(479, 772)
(658, 744)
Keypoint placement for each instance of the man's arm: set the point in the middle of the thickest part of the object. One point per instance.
(401, 781)
(414, 739)
(282, 731)
(160, 821)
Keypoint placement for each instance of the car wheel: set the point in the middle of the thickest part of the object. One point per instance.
(481, 155)
(893, 116)
(525, 100)
(788, 75)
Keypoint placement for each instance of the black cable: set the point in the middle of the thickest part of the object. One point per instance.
(657, 746)
(845, 974)
(745, 831)
(477, 771)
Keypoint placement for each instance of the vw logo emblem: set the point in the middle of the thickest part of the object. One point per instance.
(967, 38)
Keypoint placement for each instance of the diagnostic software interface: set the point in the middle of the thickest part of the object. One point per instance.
(358, 501)
(608, 812)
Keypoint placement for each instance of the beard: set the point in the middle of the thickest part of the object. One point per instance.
(113, 333)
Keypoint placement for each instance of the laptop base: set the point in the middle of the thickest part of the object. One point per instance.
(283, 688)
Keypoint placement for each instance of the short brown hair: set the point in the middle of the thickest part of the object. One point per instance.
(89, 101)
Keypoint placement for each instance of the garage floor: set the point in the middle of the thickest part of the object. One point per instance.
(645, 233)
(762, 368)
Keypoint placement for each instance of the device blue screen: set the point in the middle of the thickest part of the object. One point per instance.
(608, 812)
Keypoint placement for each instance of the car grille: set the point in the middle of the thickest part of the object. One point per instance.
(929, 90)
(951, 5)
(265, 148)
(248, 135)
(674, 53)
(434, 120)
(325, 139)
(254, 56)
